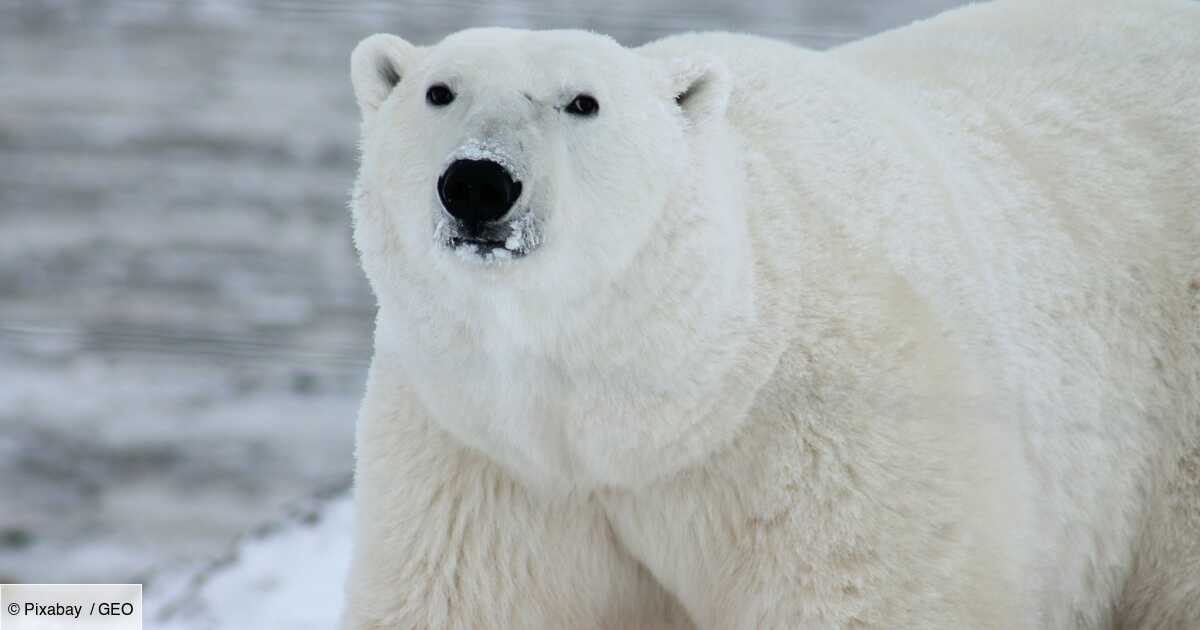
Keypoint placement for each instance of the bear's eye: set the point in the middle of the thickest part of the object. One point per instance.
(439, 95)
(583, 105)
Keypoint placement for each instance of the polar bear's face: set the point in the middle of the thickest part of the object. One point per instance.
(534, 159)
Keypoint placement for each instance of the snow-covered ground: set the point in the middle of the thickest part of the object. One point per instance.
(286, 575)
(184, 330)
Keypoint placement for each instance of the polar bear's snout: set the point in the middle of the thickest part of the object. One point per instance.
(477, 192)
(485, 213)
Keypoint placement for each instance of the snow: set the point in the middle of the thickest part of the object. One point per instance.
(287, 577)
(475, 149)
(525, 235)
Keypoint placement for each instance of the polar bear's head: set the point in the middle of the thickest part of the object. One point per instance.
(527, 204)
(524, 157)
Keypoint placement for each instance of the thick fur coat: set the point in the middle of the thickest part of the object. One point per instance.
(904, 334)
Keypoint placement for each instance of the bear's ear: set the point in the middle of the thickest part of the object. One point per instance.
(700, 85)
(377, 65)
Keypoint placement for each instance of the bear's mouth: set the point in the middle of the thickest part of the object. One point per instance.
(485, 249)
(492, 243)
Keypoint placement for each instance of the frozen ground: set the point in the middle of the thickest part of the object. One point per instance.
(183, 327)
(286, 575)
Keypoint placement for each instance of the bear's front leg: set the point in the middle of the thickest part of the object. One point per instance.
(445, 539)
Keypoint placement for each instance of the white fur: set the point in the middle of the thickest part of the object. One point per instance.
(905, 334)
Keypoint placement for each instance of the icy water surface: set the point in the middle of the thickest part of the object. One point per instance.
(184, 330)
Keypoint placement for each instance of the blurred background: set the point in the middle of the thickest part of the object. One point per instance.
(184, 330)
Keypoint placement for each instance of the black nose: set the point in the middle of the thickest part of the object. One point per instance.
(477, 191)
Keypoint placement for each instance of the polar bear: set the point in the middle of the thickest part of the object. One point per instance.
(721, 333)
